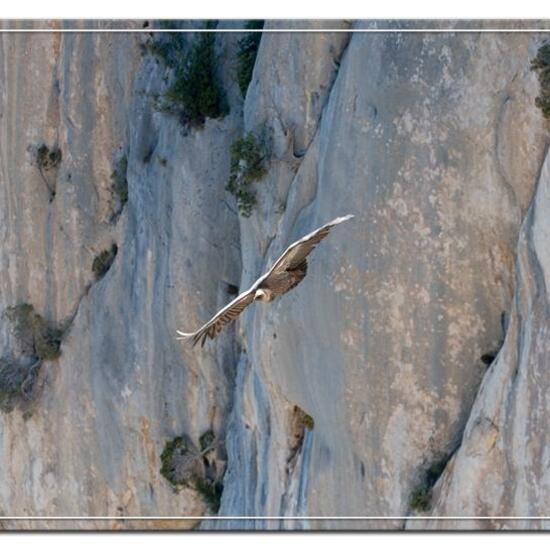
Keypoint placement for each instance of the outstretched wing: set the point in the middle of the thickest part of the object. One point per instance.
(297, 252)
(225, 316)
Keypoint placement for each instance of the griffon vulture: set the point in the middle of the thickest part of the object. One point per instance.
(287, 272)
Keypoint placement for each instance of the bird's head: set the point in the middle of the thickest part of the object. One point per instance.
(263, 295)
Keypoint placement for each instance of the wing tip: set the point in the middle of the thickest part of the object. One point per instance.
(184, 335)
(196, 337)
(343, 218)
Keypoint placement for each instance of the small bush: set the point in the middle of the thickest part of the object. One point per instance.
(421, 497)
(206, 440)
(247, 166)
(541, 64)
(47, 342)
(180, 462)
(103, 261)
(195, 92)
(37, 341)
(211, 493)
(300, 421)
(308, 421)
(166, 468)
(29, 325)
(183, 465)
(246, 55)
(16, 382)
(119, 180)
(303, 419)
(48, 159)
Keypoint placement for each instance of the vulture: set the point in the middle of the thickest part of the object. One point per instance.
(286, 273)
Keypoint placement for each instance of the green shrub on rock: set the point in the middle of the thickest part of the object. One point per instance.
(183, 465)
(48, 159)
(421, 497)
(103, 261)
(119, 180)
(248, 164)
(246, 54)
(30, 325)
(16, 382)
(195, 93)
(541, 64)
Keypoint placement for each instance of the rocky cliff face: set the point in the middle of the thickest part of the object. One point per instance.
(336, 400)
(501, 467)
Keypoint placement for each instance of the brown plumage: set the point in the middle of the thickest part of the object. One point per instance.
(286, 273)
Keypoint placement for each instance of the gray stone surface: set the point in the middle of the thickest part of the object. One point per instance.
(431, 140)
(123, 385)
(420, 139)
(501, 468)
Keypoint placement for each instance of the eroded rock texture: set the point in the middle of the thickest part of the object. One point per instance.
(501, 468)
(382, 343)
(336, 399)
(123, 385)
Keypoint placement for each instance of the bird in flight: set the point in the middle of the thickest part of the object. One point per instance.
(287, 272)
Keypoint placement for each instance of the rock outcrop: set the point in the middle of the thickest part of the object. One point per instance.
(123, 385)
(501, 470)
(382, 343)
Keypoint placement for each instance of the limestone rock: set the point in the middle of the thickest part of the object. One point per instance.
(500, 469)
(421, 138)
(432, 140)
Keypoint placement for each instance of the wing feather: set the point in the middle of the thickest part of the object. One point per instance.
(297, 252)
(225, 316)
(290, 259)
